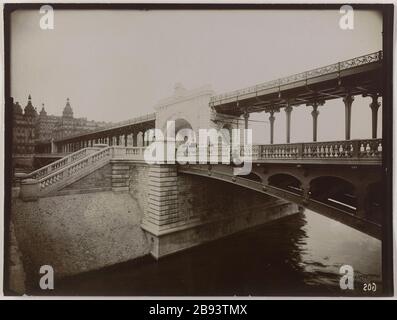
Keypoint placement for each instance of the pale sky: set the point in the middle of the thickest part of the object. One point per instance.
(116, 65)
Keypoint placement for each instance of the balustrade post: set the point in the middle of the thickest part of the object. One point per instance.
(356, 148)
(300, 150)
(19, 177)
(348, 100)
(30, 189)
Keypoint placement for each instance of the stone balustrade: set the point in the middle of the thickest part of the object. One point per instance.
(61, 163)
(73, 167)
(348, 149)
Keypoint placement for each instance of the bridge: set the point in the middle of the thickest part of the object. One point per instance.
(183, 204)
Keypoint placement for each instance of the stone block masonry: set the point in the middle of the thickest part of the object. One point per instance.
(162, 198)
(99, 179)
(120, 175)
(186, 210)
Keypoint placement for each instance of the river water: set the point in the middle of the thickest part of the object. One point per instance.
(296, 255)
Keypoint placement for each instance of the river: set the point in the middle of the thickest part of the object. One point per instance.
(296, 255)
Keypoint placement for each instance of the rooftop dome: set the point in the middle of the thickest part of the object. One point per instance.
(29, 109)
(67, 111)
(43, 113)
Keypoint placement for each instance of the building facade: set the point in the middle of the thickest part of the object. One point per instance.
(31, 127)
(24, 128)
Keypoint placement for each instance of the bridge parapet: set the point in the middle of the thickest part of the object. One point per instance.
(360, 151)
(76, 165)
(367, 150)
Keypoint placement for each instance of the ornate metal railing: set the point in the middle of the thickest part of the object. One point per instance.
(336, 67)
(350, 149)
(56, 165)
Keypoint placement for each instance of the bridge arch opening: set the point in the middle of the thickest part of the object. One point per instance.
(287, 182)
(253, 177)
(182, 123)
(184, 132)
(139, 139)
(148, 137)
(334, 191)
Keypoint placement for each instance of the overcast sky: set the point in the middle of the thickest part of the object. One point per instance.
(115, 65)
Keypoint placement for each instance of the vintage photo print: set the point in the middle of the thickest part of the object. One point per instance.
(198, 150)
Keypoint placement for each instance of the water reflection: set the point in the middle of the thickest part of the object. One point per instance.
(297, 255)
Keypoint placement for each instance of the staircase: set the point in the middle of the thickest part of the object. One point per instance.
(61, 163)
(77, 165)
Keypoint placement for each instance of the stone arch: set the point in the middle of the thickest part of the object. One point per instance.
(335, 191)
(184, 131)
(149, 137)
(181, 121)
(286, 182)
(253, 176)
(139, 139)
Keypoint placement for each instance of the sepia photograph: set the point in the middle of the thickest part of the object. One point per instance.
(198, 150)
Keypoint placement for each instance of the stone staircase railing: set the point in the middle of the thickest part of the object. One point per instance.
(74, 171)
(61, 163)
(74, 167)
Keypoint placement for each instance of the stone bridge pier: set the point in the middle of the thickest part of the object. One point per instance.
(185, 210)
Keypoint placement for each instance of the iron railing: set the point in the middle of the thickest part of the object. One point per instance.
(303, 76)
